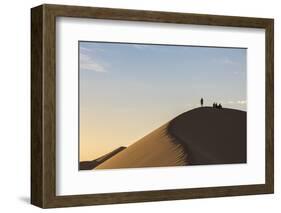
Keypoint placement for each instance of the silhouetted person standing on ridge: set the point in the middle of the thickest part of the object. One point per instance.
(201, 102)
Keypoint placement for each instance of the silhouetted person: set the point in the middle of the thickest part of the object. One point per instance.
(220, 106)
(201, 102)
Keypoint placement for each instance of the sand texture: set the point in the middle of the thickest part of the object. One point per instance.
(154, 150)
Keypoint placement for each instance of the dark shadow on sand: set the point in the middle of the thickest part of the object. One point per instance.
(211, 136)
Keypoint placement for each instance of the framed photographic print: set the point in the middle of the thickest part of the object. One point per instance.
(136, 106)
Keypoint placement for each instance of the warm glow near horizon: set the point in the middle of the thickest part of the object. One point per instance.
(129, 90)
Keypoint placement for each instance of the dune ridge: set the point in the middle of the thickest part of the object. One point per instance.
(201, 136)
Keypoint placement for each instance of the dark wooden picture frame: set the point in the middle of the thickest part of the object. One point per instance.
(43, 105)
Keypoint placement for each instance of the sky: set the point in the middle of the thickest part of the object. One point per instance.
(128, 90)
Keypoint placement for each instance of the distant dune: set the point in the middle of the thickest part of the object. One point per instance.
(88, 165)
(203, 135)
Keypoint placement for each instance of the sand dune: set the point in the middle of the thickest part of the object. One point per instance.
(154, 150)
(203, 135)
(211, 136)
(88, 165)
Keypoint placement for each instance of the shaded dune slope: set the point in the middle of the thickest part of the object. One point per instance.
(203, 135)
(211, 136)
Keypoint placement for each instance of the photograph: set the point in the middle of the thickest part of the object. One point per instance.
(161, 105)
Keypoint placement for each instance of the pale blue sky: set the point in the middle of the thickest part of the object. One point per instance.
(144, 86)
